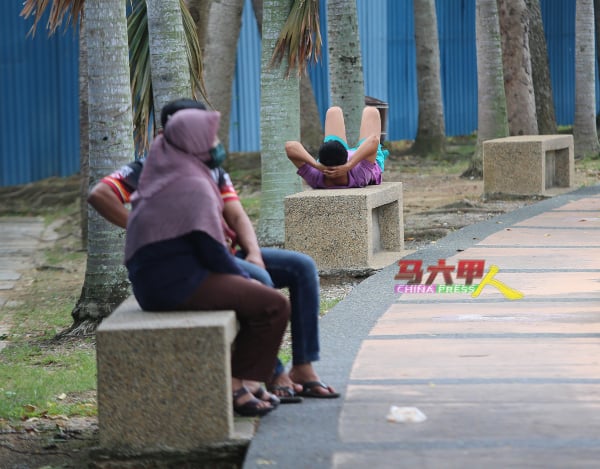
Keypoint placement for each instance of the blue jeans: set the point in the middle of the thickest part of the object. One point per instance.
(298, 273)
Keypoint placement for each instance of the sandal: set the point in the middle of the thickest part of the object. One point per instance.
(309, 390)
(250, 408)
(260, 394)
(286, 394)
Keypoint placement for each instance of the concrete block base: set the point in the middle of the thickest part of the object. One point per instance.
(528, 164)
(348, 230)
(164, 379)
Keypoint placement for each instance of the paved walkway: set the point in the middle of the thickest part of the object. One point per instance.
(19, 240)
(502, 383)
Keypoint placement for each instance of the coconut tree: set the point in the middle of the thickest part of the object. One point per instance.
(311, 130)
(431, 134)
(540, 71)
(516, 58)
(491, 108)
(279, 122)
(345, 63)
(220, 51)
(110, 146)
(167, 52)
(585, 135)
(290, 37)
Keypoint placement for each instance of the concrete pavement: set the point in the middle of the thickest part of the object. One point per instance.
(502, 383)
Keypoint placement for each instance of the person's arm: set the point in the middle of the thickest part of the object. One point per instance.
(108, 204)
(238, 220)
(298, 155)
(366, 151)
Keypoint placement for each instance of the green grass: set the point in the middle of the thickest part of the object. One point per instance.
(39, 381)
(39, 376)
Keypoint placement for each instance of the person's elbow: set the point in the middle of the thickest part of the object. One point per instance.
(94, 197)
(291, 148)
(108, 205)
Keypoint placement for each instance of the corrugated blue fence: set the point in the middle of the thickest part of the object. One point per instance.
(39, 80)
(388, 55)
(39, 114)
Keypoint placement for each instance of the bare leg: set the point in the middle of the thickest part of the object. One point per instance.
(334, 123)
(370, 123)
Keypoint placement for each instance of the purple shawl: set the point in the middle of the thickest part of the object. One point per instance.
(176, 193)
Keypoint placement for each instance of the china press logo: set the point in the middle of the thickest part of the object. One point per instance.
(467, 269)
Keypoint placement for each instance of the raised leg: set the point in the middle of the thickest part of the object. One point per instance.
(334, 123)
(370, 123)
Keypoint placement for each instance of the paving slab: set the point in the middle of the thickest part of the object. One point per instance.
(20, 238)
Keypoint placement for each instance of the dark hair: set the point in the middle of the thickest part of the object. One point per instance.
(172, 107)
(333, 153)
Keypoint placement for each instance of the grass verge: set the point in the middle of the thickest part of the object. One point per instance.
(39, 376)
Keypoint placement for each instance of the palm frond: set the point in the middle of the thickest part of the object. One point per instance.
(139, 54)
(71, 10)
(139, 69)
(300, 37)
(194, 53)
(141, 77)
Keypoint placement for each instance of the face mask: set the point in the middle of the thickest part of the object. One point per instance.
(217, 156)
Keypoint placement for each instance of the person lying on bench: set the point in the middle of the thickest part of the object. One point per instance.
(339, 166)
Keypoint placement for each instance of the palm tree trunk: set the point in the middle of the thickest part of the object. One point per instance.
(585, 135)
(345, 64)
(279, 122)
(84, 142)
(491, 109)
(540, 71)
(111, 146)
(518, 81)
(221, 48)
(199, 10)
(431, 134)
(168, 57)
(311, 130)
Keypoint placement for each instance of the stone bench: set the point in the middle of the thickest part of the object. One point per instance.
(164, 379)
(528, 164)
(347, 230)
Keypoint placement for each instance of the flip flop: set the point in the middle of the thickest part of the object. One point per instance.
(273, 399)
(308, 390)
(288, 395)
(251, 408)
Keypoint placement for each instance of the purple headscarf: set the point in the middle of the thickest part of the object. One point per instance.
(176, 193)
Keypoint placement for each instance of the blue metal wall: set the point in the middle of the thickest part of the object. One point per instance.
(39, 114)
(39, 80)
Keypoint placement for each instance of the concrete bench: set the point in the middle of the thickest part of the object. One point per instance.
(528, 164)
(164, 379)
(347, 230)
